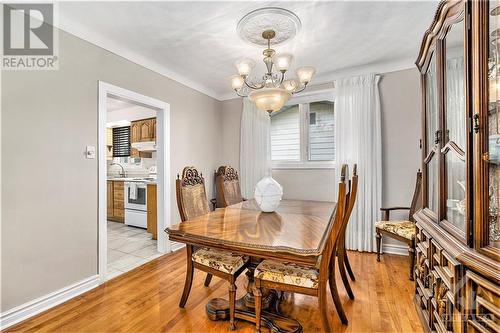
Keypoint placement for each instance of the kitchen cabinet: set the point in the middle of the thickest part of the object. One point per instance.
(116, 206)
(152, 211)
(110, 199)
(143, 130)
(142, 154)
(154, 128)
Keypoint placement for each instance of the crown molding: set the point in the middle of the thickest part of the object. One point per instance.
(86, 34)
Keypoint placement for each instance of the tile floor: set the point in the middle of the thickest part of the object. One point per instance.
(128, 247)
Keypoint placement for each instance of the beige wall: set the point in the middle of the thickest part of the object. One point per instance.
(317, 184)
(401, 131)
(231, 120)
(400, 101)
(49, 190)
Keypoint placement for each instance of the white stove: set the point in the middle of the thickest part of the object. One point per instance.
(136, 203)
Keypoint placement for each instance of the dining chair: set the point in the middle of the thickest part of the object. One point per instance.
(192, 202)
(227, 185)
(308, 280)
(342, 257)
(402, 230)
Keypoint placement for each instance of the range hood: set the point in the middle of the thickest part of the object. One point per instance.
(144, 146)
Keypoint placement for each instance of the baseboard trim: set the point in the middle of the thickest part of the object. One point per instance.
(29, 309)
(395, 249)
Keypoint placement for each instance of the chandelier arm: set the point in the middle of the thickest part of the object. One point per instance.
(238, 93)
(301, 89)
(251, 86)
(282, 77)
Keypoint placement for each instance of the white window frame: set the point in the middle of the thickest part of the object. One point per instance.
(303, 100)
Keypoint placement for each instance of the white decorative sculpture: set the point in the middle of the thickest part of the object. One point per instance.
(268, 194)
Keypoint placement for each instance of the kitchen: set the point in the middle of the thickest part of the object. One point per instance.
(131, 186)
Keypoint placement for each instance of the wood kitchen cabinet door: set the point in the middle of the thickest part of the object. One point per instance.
(118, 202)
(135, 131)
(147, 130)
(154, 129)
(143, 130)
(152, 211)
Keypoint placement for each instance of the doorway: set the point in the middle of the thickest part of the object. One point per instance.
(134, 182)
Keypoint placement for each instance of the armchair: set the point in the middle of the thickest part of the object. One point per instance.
(402, 230)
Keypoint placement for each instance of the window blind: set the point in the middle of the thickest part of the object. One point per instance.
(121, 141)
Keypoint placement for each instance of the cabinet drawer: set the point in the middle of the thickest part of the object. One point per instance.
(118, 185)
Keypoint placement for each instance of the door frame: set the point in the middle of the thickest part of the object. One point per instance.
(163, 167)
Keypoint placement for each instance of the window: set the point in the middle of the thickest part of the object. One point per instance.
(312, 118)
(302, 135)
(285, 134)
(121, 141)
(320, 144)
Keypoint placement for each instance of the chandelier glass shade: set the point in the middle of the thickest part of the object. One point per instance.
(269, 99)
(272, 91)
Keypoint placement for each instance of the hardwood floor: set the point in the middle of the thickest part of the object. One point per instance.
(146, 299)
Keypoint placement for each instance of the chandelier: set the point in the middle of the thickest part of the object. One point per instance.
(273, 90)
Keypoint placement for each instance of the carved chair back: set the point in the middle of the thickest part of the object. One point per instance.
(228, 187)
(191, 195)
(335, 225)
(416, 202)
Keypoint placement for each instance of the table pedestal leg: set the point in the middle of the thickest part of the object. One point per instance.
(218, 309)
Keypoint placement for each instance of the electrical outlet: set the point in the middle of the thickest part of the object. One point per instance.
(90, 152)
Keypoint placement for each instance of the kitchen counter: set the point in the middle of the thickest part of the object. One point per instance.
(134, 179)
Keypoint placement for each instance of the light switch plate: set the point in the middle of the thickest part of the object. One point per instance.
(90, 152)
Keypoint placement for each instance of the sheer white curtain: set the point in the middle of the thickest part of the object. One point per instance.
(432, 120)
(455, 126)
(455, 102)
(358, 140)
(255, 150)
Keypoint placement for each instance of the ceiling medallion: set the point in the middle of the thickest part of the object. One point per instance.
(283, 22)
(268, 26)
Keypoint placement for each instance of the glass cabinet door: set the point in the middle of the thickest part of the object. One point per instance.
(431, 137)
(493, 228)
(455, 136)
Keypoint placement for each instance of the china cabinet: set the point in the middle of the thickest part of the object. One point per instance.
(458, 230)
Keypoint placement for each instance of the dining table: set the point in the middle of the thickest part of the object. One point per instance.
(295, 232)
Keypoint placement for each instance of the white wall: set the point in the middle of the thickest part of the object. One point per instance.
(400, 99)
(49, 190)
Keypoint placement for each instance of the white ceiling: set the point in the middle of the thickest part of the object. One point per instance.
(120, 110)
(196, 43)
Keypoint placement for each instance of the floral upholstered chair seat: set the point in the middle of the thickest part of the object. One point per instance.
(404, 229)
(220, 260)
(287, 273)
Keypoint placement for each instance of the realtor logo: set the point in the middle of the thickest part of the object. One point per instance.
(29, 36)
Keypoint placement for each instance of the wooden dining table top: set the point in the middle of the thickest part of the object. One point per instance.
(295, 231)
